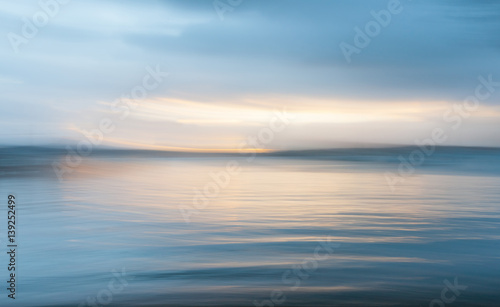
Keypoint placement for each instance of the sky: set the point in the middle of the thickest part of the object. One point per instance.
(209, 75)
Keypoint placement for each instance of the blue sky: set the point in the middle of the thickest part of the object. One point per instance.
(227, 77)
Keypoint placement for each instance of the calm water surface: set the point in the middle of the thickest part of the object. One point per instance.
(395, 248)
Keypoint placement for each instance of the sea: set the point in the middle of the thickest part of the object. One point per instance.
(401, 226)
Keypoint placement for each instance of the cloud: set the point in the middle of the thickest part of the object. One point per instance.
(94, 51)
